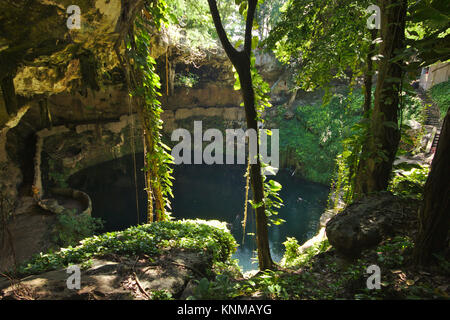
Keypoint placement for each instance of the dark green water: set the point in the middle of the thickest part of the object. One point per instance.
(205, 192)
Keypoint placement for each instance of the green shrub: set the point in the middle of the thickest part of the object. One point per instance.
(220, 288)
(71, 228)
(293, 258)
(211, 237)
(440, 94)
(409, 183)
(161, 295)
(391, 253)
(412, 109)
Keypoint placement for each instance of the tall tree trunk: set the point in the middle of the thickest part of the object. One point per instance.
(434, 215)
(241, 61)
(378, 153)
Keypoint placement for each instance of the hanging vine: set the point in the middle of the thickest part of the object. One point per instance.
(247, 186)
(143, 85)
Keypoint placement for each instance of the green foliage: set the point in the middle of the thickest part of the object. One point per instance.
(161, 295)
(272, 201)
(409, 183)
(440, 94)
(158, 158)
(272, 284)
(186, 80)
(192, 17)
(220, 288)
(392, 256)
(210, 236)
(428, 32)
(72, 227)
(291, 250)
(413, 108)
(321, 39)
(58, 178)
(268, 16)
(391, 253)
(347, 160)
(260, 87)
(229, 268)
(292, 257)
(326, 277)
(194, 27)
(313, 138)
(55, 174)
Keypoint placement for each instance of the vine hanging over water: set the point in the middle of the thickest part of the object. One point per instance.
(143, 84)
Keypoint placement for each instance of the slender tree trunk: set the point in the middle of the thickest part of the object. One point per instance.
(241, 61)
(9, 95)
(434, 215)
(368, 75)
(44, 113)
(262, 238)
(378, 153)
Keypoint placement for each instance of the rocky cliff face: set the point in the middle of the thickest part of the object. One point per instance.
(43, 56)
(40, 58)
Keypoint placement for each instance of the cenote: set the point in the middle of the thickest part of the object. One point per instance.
(204, 192)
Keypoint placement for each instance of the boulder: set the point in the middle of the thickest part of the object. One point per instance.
(115, 277)
(368, 221)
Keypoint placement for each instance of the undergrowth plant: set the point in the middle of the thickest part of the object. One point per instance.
(409, 183)
(71, 227)
(293, 258)
(440, 94)
(206, 237)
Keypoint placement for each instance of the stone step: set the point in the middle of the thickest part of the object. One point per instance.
(436, 139)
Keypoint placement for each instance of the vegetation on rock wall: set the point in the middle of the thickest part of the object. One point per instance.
(440, 94)
(314, 135)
